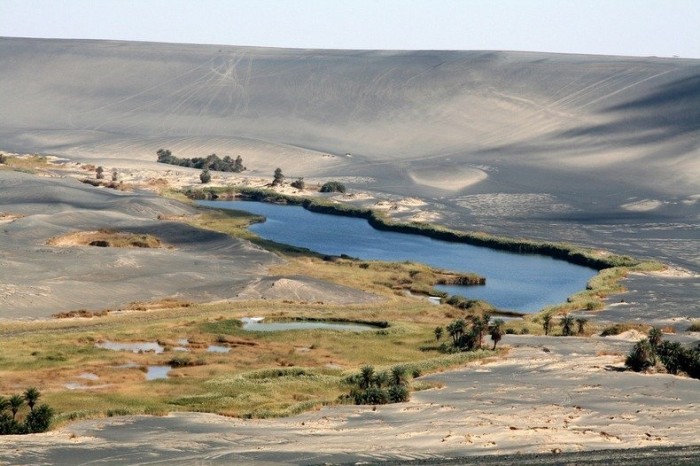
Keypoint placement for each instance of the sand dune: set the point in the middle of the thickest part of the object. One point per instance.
(106, 99)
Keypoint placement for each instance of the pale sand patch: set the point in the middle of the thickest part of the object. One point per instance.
(645, 205)
(629, 335)
(670, 272)
(453, 179)
(425, 217)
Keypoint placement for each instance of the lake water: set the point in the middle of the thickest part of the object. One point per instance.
(518, 282)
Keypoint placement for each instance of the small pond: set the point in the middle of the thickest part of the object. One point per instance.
(218, 349)
(137, 347)
(518, 282)
(255, 325)
(157, 372)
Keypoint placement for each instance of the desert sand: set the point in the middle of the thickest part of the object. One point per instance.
(594, 150)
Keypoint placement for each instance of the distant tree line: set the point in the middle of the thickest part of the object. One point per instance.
(211, 162)
(36, 420)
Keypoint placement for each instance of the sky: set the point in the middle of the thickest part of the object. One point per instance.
(661, 28)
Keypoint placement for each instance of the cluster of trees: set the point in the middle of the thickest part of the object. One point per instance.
(211, 162)
(376, 388)
(36, 420)
(468, 334)
(567, 325)
(674, 357)
(333, 187)
(329, 187)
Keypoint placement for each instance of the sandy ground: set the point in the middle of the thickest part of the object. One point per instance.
(598, 151)
(548, 394)
(38, 279)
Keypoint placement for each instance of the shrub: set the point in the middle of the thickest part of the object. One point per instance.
(39, 419)
(3, 159)
(298, 183)
(210, 162)
(333, 187)
(205, 176)
(641, 357)
(277, 177)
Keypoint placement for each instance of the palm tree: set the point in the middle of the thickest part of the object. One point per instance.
(438, 333)
(16, 402)
(456, 330)
(547, 323)
(31, 395)
(4, 403)
(366, 377)
(481, 324)
(581, 322)
(398, 376)
(655, 336)
(641, 356)
(567, 325)
(497, 331)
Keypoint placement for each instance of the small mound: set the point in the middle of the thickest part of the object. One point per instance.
(106, 239)
(304, 289)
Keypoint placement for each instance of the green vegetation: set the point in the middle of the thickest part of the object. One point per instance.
(333, 187)
(298, 183)
(277, 177)
(674, 357)
(24, 163)
(205, 176)
(372, 388)
(211, 162)
(567, 325)
(36, 420)
(547, 323)
(468, 334)
(581, 324)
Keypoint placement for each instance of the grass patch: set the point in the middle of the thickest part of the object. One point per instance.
(265, 374)
(31, 164)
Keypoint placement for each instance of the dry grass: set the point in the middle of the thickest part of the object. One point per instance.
(24, 163)
(106, 238)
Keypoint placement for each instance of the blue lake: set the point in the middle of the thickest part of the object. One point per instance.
(518, 282)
